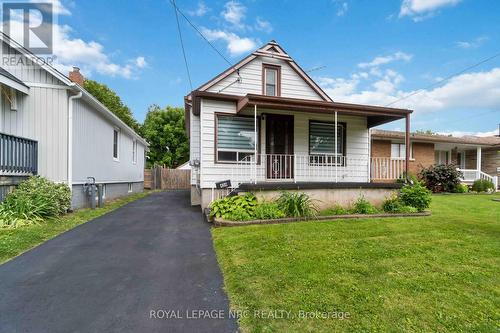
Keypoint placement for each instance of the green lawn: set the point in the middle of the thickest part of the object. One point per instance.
(438, 273)
(13, 242)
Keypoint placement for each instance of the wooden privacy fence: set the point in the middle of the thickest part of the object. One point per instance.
(160, 178)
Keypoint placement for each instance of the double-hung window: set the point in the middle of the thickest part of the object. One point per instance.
(116, 143)
(322, 143)
(398, 151)
(235, 139)
(271, 80)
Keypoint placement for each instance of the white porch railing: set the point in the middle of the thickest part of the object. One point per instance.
(384, 168)
(470, 175)
(300, 168)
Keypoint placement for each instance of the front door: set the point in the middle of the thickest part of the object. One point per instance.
(279, 147)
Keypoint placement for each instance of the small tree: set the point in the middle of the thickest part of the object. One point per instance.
(441, 177)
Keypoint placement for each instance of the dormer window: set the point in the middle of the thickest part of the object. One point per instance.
(271, 80)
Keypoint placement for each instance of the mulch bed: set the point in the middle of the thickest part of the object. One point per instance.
(218, 222)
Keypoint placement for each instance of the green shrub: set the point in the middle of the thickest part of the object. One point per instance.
(461, 188)
(335, 210)
(238, 214)
(416, 196)
(230, 207)
(483, 185)
(392, 205)
(411, 177)
(32, 201)
(296, 204)
(268, 210)
(362, 206)
(439, 178)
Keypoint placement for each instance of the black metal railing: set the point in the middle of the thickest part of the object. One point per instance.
(18, 156)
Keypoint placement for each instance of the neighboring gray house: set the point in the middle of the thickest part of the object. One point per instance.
(51, 126)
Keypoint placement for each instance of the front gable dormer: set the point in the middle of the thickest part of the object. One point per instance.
(267, 71)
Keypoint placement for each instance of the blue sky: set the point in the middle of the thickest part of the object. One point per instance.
(373, 52)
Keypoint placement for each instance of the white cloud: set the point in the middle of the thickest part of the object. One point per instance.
(57, 7)
(343, 8)
(472, 91)
(141, 62)
(234, 13)
(236, 45)
(422, 9)
(88, 55)
(201, 10)
(378, 61)
(473, 44)
(464, 133)
(263, 25)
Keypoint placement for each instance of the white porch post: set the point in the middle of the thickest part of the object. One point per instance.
(478, 162)
(336, 150)
(255, 143)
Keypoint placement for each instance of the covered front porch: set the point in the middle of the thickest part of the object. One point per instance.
(467, 157)
(280, 140)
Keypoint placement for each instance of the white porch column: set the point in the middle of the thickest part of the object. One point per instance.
(478, 162)
(336, 150)
(255, 143)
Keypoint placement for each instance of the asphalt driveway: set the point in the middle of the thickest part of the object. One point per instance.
(146, 267)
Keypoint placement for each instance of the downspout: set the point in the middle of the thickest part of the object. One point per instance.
(70, 139)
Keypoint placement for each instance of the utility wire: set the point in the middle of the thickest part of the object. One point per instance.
(203, 36)
(182, 44)
(443, 80)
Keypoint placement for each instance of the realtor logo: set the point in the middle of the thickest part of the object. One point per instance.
(29, 23)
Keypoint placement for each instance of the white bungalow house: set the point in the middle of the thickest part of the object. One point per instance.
(51, 126)
(264, 125)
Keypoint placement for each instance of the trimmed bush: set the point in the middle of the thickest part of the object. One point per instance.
(461, 188)
(441, 178)
(416, 196)
(268, 210)
(32, 201)
(296, 204)
(362, 206)
(394, 205)
(483, 185)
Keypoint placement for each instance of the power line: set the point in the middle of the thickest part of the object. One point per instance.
(182, 44)
(205, 38)
(443, 80)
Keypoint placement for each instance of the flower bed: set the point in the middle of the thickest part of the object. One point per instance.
(413, 200)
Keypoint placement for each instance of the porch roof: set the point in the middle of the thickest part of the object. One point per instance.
(376, 115)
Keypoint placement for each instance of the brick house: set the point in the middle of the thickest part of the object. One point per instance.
(427, 149)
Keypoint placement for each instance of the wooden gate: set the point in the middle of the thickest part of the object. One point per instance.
(160, 178)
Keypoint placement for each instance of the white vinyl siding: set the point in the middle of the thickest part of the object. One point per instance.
(292, 85)
(93, 149)
(356, 139)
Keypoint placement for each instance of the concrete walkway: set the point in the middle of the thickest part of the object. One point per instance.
(150, 258)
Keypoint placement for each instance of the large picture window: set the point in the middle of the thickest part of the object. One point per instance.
(322, 143)
(235, 139)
